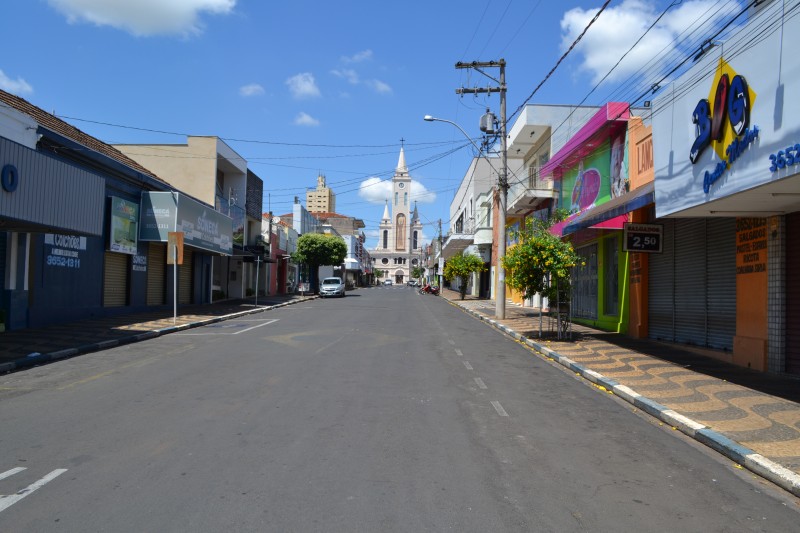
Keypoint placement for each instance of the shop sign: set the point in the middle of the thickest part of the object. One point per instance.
(140, 263)
(159, 211)
(64, 251)
(723, 121)
(123, 234)
(203, 226)
(751, 245)
(642, 237)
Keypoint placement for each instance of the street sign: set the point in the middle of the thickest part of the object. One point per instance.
(175, 248)
(642, 237)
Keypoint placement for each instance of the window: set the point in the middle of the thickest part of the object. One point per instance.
(414, 241)
(405, 198)
(611, 277)
(395, 198)
(385, 260)
(385, 238)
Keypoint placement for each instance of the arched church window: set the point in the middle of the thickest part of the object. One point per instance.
(385, 238)
(414, 241)
(405, 198)
(395, 198)
(400, 232)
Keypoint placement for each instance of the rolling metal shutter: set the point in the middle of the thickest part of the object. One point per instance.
(584, 284)
(156, 269)
(793, 293)
(661, 287)
(185, 277)
(692, 284)
(690, 281)
(115, 280)
(721, 276)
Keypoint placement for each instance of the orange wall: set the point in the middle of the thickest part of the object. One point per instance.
(640, 172)
(752, 283)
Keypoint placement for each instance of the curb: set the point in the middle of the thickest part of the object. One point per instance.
(35, 359)
(743, 456)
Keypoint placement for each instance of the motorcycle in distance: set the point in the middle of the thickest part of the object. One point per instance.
(429, 289)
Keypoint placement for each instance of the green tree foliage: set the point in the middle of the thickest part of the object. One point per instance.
(461, 267)
(541, 262)
(318, 249)
(417, 272)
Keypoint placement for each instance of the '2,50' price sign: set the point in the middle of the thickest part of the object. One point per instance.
(642, 237)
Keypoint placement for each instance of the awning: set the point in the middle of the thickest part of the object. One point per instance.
(457, 243)
(609, 215)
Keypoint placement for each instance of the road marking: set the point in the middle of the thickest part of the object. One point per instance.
(481, 384)
(499, 408)
(268, 322)
(469, 366)
(451, 341)
(458, 352)
(8, 501)
(9, 473)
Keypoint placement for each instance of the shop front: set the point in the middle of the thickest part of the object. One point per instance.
(726, 139)
(207, 235)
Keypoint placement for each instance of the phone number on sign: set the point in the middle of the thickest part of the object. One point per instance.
(67, 262)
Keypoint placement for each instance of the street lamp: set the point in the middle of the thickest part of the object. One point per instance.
(502, 183)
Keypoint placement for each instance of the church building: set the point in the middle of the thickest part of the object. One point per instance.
(399, 247)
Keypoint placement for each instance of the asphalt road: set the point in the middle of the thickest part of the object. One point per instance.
(382, 411)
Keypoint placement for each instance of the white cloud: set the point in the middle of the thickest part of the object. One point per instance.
(379, 87)
(18, 86)
(358, 58)
(303, 85)
(377, 191)
(349, 74)
(304, 119)
(618, 28)
(144, 17)
(252, 89)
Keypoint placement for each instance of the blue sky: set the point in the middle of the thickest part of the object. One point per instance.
(306, 87)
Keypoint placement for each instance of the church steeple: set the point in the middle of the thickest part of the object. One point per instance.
(415, 214)
(402, 169)
(386, 212)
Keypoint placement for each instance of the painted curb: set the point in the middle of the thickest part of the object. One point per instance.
(39, 359)
(756, 463)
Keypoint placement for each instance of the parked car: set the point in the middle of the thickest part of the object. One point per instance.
(412, 283)
(331, 287)
(387, 282)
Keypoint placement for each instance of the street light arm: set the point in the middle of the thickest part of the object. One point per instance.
(429, 118)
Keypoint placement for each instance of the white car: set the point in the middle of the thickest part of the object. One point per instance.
(331, 287)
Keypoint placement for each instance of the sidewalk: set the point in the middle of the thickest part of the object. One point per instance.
(751, 417)
(29, 347)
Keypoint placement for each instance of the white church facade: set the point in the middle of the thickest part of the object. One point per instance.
(399, 247)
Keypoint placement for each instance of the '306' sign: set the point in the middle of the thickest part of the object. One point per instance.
(731, 105)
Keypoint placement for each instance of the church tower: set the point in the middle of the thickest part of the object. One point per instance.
(400, 231)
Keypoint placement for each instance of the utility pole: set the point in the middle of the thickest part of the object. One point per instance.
(502, 178)
(438, 270)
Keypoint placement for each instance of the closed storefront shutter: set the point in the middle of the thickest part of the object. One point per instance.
(115, 280)
(185, 278)
(793, 293)
(690, 281)
(156, 269)
(721, 276)
(692, 284)
(661, 287)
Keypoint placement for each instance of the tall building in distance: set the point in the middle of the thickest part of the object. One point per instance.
(321, 199)
(400, 238)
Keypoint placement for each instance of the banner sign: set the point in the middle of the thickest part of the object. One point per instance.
(203, 226)
(124, 226)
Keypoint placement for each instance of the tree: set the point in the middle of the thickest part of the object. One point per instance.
(541, 262)
(417, 272)
(461, 267)
(316, 250)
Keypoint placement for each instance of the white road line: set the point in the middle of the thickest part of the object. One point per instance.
(9, 473)
(8, 501)
(469, 366)
(481, 384)
(267, 323)
(499, 408)
(458, 352)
